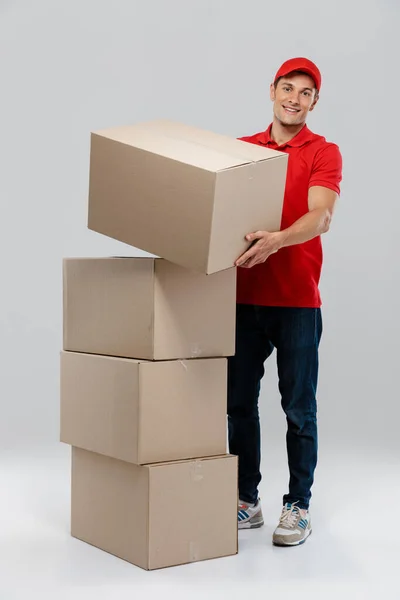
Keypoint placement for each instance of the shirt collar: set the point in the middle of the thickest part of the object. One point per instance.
(304, 136)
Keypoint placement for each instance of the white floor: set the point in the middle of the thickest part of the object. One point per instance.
(353, 552)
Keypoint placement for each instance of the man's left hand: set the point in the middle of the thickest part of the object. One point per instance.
(264, 243)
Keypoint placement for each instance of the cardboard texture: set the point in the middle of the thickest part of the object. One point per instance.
(154, 515)
(147, 308)
(187, 195)
(144, 412)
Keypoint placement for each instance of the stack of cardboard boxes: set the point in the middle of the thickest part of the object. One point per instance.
(143, 366)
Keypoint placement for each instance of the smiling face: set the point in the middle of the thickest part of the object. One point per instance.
(294, 96)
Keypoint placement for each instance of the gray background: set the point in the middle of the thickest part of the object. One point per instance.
(69, 68)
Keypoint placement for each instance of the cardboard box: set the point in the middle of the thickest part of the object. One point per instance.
(156, 515)
(187, 195)
(141, 411)
(147, 308)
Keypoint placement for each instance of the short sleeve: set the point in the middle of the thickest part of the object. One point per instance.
(327, 168)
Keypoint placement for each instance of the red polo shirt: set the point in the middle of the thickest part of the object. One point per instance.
(291, 276)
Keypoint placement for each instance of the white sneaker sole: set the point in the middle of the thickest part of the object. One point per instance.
(282, 545)
(249, 525)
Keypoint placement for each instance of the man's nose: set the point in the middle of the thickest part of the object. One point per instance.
(294, 98)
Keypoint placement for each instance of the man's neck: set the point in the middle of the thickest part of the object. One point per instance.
(282, 134)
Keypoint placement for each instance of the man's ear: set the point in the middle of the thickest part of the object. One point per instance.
(272, 92)
(315, 101)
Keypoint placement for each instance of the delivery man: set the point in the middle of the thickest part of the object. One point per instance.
(279, 305)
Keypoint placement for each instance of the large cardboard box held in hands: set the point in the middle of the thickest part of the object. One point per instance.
(187, 195)
(155, 515)
(141, 411)
(147, 308)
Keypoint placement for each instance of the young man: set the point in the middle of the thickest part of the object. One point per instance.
(278, 305)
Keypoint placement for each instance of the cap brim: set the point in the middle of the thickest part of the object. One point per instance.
(304, 70)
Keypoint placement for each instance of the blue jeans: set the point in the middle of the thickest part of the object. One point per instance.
(295, 333)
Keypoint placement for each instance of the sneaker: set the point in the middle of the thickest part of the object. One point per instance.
(294, 526)
(250, 515)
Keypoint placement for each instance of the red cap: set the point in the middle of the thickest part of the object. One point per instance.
(300, 64)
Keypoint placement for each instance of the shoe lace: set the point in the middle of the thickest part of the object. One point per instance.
(289, 515)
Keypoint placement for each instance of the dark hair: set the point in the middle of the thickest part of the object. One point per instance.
(293, 73)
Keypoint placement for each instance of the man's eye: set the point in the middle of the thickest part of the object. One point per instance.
(287, 89)
(306, 93)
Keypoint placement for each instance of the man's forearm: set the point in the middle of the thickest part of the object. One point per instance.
(312, 224)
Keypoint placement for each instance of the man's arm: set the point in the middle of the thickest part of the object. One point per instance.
(321, 204)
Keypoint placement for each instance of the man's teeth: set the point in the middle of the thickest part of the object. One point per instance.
(293, 110)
